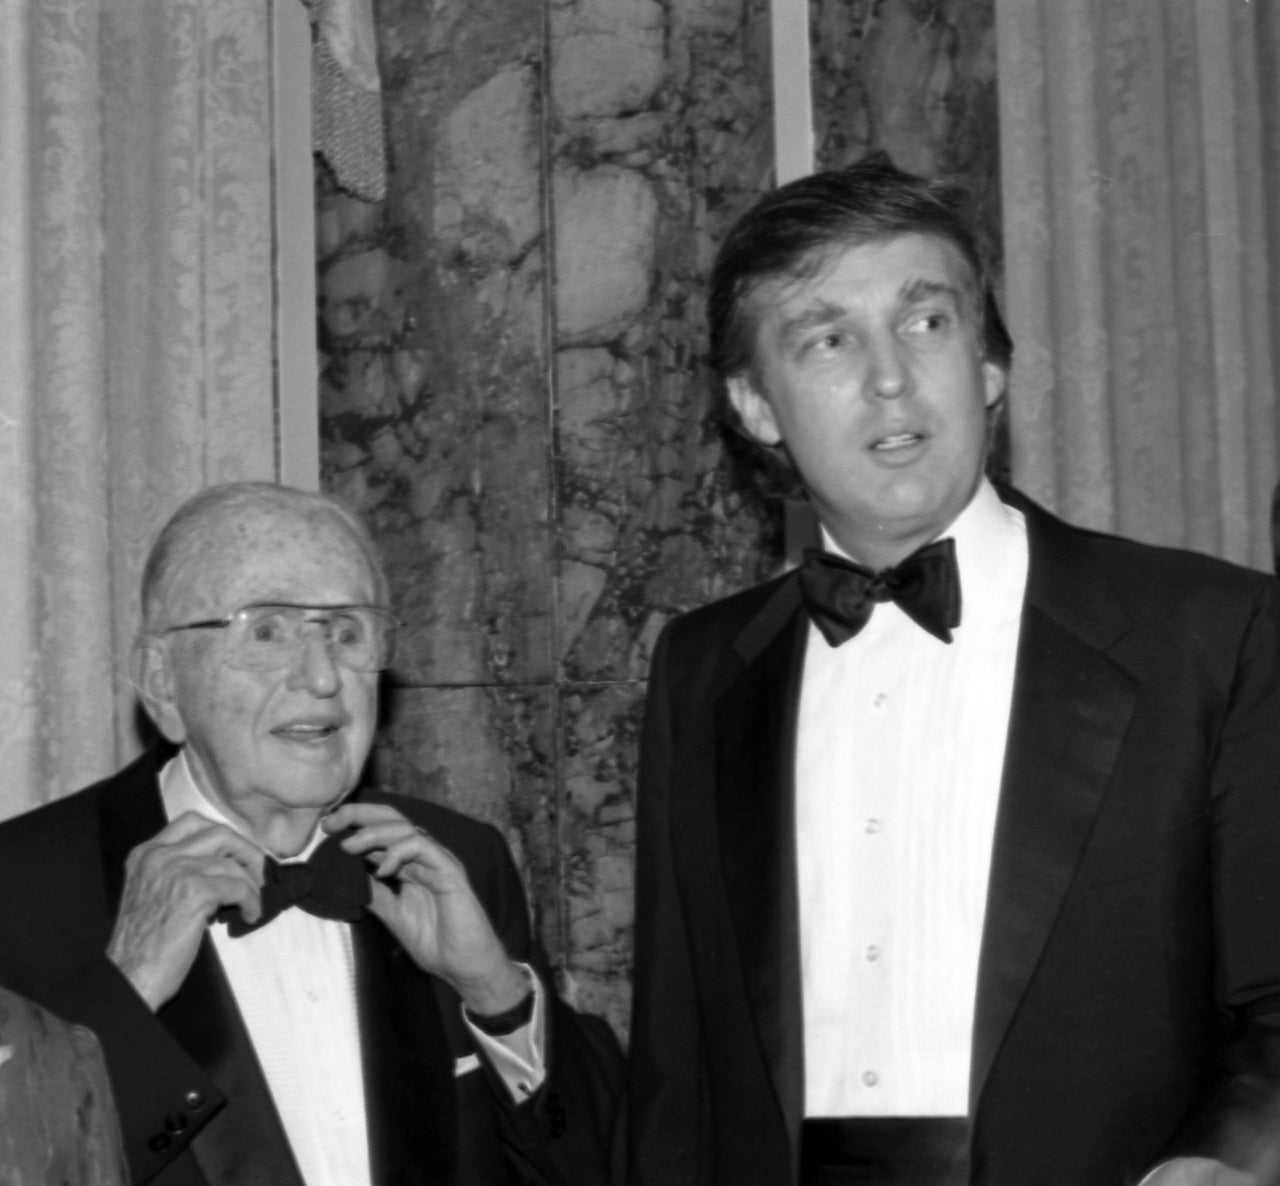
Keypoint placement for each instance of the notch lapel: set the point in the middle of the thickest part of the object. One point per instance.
(245, 1143)
(755, 745)
(410, 1100)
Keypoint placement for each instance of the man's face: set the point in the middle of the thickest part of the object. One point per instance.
(263, 744)
(870, 373)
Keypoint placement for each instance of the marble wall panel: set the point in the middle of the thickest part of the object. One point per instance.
(433, 392)
(915, 79)
(515, 391)
(650, 522)
(599, 727)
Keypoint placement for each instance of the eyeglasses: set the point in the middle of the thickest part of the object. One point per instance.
(268, 637)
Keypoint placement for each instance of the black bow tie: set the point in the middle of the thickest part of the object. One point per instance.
(331, 883)
(840, 595)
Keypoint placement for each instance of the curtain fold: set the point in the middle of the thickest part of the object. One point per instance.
(137, 359)
(1138, 237)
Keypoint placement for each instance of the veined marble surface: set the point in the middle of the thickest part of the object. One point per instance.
(514, 387)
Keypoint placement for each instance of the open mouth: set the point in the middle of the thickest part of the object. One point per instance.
(899, 440)
(306, 733)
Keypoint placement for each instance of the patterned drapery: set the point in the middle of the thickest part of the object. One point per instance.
(1139, 156)
(136, 350)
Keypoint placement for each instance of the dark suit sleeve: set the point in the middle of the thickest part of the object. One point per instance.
(163, 1096)
(666, 1100)
(561, 1135)
(53, 934)
(1239, 1121)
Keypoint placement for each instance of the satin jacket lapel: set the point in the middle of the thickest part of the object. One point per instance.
(1071, 709)
(408, 1065)
(244, 1145)
(755, 745)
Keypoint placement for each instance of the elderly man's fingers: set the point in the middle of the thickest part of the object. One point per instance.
(174, 884)
(397, 847)
(170, 906)
(191, 835)
(204, 837)
(359, 815)
(414, 858)
(228, 883)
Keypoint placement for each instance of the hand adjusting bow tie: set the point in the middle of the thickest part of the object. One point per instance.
(331, 883)
(840, 595)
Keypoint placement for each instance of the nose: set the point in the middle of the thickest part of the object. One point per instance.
(313, 667)
(890, 376)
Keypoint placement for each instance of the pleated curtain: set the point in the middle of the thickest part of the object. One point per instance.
(136, 351)
(1141, 165)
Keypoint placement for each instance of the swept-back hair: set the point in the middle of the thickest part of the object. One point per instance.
(792, 231)
(183, 537)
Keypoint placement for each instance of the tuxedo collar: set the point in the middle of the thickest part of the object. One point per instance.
(1071, 708)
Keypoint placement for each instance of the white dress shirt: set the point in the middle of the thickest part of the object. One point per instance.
(294, 983)
(899, 756)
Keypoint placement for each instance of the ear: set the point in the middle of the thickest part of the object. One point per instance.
(995, 379)
(151, 671)
(753, 410)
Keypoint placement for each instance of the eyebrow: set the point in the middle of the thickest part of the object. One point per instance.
(915, 291)
(821, 312)
(824, 312)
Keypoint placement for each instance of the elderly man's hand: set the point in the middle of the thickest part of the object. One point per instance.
(174, 883)
(433, 910)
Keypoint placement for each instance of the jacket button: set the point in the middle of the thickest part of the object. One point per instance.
(559, 1119)
(194, 1100)
(160, 1142)
(176, 1122)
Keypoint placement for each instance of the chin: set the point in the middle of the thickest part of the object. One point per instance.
(316, 794)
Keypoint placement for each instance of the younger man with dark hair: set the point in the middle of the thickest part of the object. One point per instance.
(959, 846)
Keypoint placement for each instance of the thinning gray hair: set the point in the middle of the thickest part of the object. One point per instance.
(182, 538)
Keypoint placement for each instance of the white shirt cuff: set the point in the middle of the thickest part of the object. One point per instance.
(518, 1056)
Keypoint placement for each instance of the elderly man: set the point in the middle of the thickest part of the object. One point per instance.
(393, 1030)
(959, 846)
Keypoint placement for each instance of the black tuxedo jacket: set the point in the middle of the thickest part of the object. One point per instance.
(193, 1103)
(1128, 1000)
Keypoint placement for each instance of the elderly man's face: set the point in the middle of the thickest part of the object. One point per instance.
(263, 743)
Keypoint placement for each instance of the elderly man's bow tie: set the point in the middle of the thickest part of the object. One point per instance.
(840, 595)
(331, 884)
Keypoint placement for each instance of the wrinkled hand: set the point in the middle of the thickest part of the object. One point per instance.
(432, 909)
(174, 883)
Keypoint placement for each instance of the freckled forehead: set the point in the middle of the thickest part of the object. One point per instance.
(260, 554)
